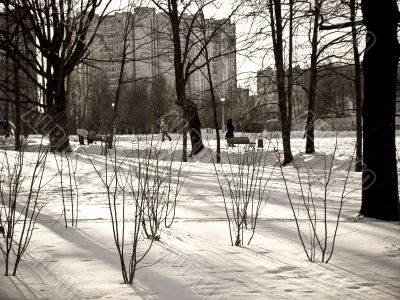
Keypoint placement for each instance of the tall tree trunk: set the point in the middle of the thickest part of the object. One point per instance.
(357, 87)
(17, 95)
(7, 74)
(6, 108)
(212, 91)
(312, 90)
(214, 106)
(58, 132)
(184, 144)
(190, 111)
(290, 65)
(277, 39)
(18, 122)
(6, 115)
(380, 197)
(118, 95)
(7, 79)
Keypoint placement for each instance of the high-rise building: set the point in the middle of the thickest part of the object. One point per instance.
(150, 53)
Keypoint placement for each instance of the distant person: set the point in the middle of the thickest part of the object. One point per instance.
(82, 135)
(164, 130)
(4, 128)
(7, 128)
(229, 131)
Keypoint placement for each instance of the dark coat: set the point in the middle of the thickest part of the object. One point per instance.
(229, 129)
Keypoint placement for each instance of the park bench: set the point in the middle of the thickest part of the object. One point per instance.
(239, 141)
(104, 138)
(93, 137)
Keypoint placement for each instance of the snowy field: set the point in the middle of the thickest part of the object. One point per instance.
(194, 258)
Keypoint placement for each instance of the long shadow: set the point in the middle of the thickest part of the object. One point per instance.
(80, 238)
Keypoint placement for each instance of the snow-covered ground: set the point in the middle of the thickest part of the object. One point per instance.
(194, 258)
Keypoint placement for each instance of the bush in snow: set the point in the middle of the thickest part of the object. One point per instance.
(20, 186)
(67, 164)
(243, 183)
(312, 185)
(142, 189)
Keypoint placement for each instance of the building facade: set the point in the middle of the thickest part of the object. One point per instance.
(143, 40)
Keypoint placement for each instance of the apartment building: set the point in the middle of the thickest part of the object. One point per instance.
(147, 38)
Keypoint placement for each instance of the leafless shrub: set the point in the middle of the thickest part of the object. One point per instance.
(311, 187)
(161, 185)
(142, 188)
(20, 186)
(243, 182)
(67, 164)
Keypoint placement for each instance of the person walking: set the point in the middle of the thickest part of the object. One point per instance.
(164, 130)
(229, 131)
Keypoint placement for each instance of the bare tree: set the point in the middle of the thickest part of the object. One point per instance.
(136, 75)
(277, 28)
(212, 91)
(202, 38)
(324, 48)
(180, 57)
(357, 84)
(182, 19)
(59, 32)
(380, 196)
(353, 8)
(309, 134)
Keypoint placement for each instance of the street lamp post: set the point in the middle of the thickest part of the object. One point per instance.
(113, 118)
(222, 112)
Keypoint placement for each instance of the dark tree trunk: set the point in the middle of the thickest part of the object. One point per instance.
(18, 122)
(118, 93)
(6, 108)
(290, 65)
(312, 91)
(58, 131)
(213, 100)
(184, 144)
(7, 80)
(6, 93)
(380, 198)
(277, 38)
(357, 87)
(59, 135)
(189, 108)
